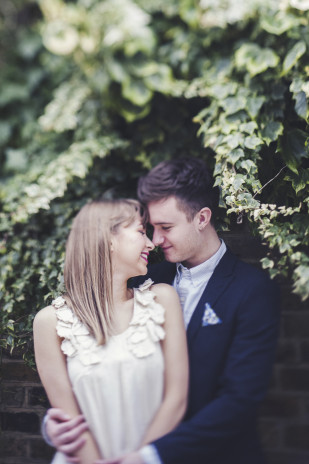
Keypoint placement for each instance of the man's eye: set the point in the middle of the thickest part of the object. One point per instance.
(166, 228)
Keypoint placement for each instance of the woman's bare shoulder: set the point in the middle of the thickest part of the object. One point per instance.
(45, 316)
(164, 291)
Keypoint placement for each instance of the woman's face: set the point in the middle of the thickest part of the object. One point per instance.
(130, 249)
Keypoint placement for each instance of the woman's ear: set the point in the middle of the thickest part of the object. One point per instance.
(203, 218)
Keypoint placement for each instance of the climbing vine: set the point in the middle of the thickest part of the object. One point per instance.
(93, 93)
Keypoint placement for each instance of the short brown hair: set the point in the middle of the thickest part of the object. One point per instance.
(187, 179)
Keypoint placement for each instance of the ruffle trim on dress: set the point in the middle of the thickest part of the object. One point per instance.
(77, 338)
(144, 331)
(145, 328)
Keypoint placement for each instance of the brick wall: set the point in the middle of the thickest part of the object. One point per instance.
(284, 416)
(23, 402)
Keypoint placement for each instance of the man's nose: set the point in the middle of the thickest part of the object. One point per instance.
(157, 238)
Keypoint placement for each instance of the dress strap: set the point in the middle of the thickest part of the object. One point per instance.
(146, 325)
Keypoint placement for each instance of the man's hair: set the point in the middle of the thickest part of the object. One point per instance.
(186, 179)
(88, 262)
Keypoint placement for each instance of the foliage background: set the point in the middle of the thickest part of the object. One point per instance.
(95, 92)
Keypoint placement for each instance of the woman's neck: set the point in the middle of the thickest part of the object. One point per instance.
(121, 294)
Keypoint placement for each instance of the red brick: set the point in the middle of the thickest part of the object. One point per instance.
(11, 446)
(296, 324)
(286, 352)
(297, 436)
(305, 351)
(40, 450)
(270, 433)
(20, 422)
(37, 397)
(295, 379)
(19, 371)
(280, 405)
(287, 457)
(291, 301)
(12, 396)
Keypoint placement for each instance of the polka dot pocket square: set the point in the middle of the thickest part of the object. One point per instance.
(210, 317)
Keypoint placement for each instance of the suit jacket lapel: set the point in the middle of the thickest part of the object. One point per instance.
(220, 279)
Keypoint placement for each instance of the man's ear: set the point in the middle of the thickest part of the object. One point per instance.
(203, 218)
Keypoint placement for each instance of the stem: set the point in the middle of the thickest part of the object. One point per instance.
(278, 173)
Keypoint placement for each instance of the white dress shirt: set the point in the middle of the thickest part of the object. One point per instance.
(190, 285)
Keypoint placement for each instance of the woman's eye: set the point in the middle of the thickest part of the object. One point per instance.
(166, 228)
(142, 232)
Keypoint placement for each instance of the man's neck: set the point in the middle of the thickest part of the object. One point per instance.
(208, 248)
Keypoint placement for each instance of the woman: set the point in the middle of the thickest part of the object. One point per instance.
(115, 354)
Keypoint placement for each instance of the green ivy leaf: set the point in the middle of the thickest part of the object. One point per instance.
(301, 284)
(293, 56)
(301, 106)
(299, 181)
(254, 105)
(279, 23)
(294, 148)
(267, 263)
(235, 155)
(232, 105)
(5, 132)
(233, 140)
(16, 160)
(248, 127)
(161, 79)
(252, 142)
(13, 92)
(271, 131)
(248, 165)
(296, 85)
(136, 92)
(238, 181)
(224, 90)
(255, 59)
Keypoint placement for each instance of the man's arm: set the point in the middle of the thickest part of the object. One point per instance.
(241, 386)
(63, 432)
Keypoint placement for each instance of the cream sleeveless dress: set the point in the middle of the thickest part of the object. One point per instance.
(119, 386)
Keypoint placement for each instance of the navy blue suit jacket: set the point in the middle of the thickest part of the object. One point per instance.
(230, 366)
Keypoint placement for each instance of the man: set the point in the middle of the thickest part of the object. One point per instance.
(231, 313)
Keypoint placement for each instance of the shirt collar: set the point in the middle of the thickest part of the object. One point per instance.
(197, 273)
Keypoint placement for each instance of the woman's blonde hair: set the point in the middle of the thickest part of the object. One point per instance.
(88, 267)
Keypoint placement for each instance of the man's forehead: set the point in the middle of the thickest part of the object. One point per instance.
(166, 204)
(164, 212)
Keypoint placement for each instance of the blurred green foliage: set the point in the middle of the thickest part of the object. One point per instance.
(95, 92)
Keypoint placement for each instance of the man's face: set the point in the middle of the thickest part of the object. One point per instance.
(178, 238)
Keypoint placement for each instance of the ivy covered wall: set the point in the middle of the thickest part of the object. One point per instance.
(93, 93)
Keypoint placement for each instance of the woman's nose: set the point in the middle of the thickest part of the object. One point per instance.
(149, 244)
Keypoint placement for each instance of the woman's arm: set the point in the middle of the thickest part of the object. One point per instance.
(175, 353)
(51, 364)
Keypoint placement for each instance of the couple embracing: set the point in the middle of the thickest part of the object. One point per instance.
(162, 374)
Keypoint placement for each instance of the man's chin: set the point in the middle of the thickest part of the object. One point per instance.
(170, 258)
